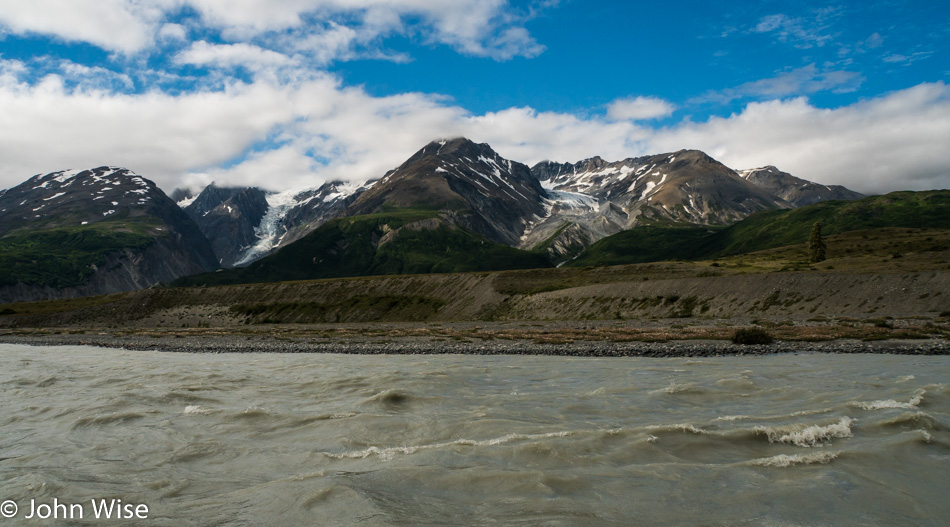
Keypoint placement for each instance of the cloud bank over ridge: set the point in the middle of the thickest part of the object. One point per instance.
(244, 97)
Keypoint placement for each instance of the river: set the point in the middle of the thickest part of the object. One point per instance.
(324, 439)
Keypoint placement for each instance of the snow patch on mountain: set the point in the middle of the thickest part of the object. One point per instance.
(274, 226)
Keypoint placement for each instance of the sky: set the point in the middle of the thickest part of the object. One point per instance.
(292, 93)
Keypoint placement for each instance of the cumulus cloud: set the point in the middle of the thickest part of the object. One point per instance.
(489, 28)
(114, 25)
(173, 32)
(48, 127)
(639, 108)
(301, 132)
(249, 56)
(893, 142)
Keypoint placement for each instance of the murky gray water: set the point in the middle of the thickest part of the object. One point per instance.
(464, 440)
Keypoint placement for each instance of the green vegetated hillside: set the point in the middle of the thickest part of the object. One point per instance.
(770, 229)
(402, 241)
(644, 244)
(64, 257)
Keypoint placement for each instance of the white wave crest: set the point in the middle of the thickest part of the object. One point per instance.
(196, 410)
(388, 453)
(914, 402)
(679, 427)
(905, 378)
(810, 436)
(678, 388)
(733, 417)
(785, 460)
(812, 412)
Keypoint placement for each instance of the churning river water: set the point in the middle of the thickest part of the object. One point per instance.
(313, 439)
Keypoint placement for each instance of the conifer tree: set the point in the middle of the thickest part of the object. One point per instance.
(816, 244)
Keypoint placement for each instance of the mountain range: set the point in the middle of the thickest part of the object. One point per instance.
(114, 230)
(563, 206)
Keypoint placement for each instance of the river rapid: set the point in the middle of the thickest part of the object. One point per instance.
(324, 439)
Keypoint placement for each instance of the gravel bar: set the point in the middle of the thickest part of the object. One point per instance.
(424, 346)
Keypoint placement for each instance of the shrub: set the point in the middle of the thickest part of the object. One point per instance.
(751, 336)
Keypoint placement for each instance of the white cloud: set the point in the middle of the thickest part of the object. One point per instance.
(906, 60)
(46, 128)
(639, 108)
(96, 78)
(805, 80)
(114, 25)
(896, 141)
(10, 73)
(874, 41)
(300, 132)
(173, 32)
(801, 32)
(489, 28)
(288, 163)
(529, 136)
(251, 57)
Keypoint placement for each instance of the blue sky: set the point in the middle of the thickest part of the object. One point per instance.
(290, 93)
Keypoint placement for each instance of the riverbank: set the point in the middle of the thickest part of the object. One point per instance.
(290, 341)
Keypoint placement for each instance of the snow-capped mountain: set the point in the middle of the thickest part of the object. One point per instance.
(686, 187)
(796, 191)
(73, 197)
(491, 195)
(101, 208)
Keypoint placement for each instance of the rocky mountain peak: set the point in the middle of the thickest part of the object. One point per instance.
(78, 197)
(799, 192)
(500, 196)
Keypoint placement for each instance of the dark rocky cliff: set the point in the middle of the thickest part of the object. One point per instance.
(228, 217)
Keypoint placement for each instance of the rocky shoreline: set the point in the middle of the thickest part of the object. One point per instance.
(424, 346)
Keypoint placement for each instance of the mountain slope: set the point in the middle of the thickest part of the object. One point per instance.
(293, 214)
(403, 241)
(75, 233)
(491, 195)
(770, 229)
(684, 187)
(796, 191)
